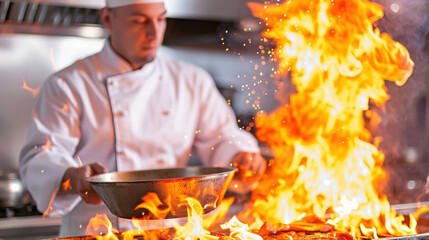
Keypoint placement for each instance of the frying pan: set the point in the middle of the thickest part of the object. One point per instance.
(122, 192)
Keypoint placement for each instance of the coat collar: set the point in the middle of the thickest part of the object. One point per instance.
(113, 64)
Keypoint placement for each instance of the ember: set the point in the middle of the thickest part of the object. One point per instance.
(32, 90)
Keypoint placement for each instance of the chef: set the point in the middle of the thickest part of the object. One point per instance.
(122, 109)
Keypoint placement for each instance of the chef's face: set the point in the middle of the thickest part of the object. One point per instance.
(136, 31)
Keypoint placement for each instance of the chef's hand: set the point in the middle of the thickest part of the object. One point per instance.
(74, 182)
(251, 167)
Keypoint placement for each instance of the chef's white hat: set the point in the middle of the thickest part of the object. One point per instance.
(120, 3)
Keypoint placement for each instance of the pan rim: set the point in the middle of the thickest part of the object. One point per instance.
(97, 179)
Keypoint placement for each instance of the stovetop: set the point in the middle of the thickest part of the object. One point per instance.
(26, 223)
(27, 210)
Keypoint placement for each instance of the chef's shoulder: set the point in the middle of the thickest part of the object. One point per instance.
(77, 73)
(185, 71)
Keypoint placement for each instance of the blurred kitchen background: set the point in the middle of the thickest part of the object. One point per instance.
(40, 37)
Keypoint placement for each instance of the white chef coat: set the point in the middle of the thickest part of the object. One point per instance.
(100, 110)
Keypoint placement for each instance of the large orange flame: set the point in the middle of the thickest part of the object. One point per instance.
(66, 185)
(155, 206)
(101, 226)
(326, 160)
(193, 229)
(196, 227)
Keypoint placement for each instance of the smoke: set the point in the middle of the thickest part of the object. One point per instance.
(403, 127)
(407, 21)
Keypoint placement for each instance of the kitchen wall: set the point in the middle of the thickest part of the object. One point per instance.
(30, 59)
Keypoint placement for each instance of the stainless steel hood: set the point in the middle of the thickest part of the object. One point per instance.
(186, 9)
(51, 18)
(226, 10)
(81, 17)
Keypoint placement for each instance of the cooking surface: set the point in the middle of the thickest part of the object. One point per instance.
(411, 237)
(29, 227)
(37, 227)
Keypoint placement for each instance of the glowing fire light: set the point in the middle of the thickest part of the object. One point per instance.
(102, 225)
(65, 107)
(66, 185)
(47, 145)
(152, 203)
(327, 162)
(197, 225)
(49, 208)
(32, 90)
(239, 230)
(51, 56)
(219, 214)
(193, 229)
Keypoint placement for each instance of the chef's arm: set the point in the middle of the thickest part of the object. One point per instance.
(50, 146)
(74, 182)
(221, 142)
(219, 138)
